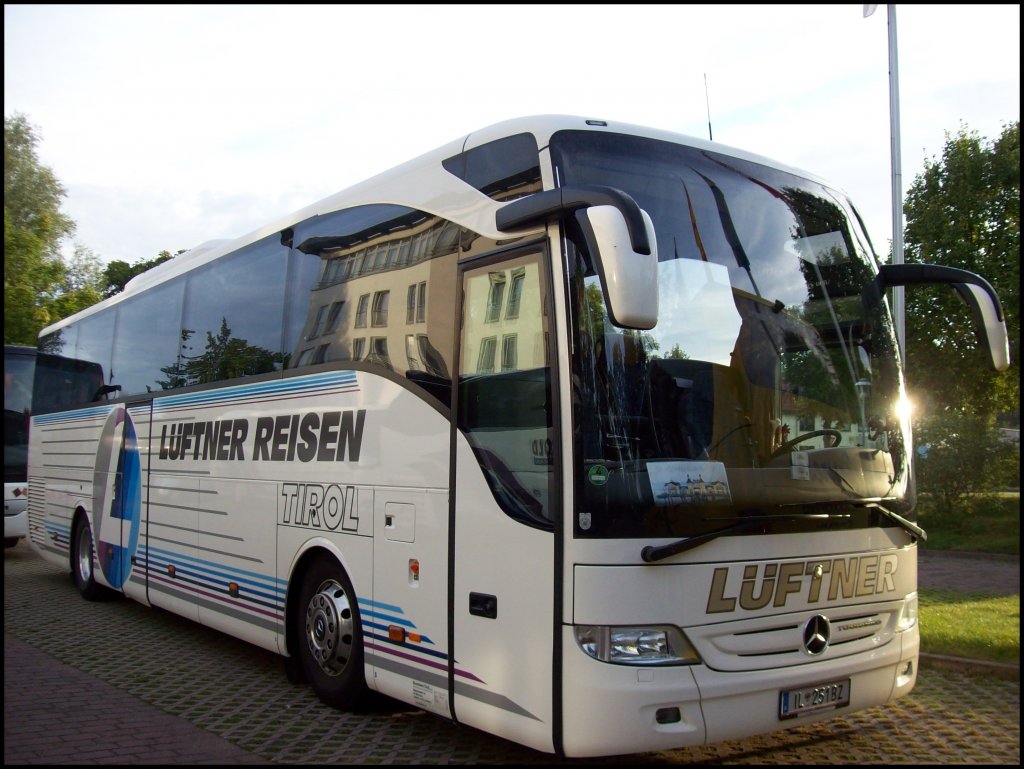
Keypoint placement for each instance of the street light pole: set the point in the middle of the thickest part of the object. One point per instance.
(898, 308)
(897, 181)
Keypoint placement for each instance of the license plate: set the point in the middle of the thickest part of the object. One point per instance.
(810, 699)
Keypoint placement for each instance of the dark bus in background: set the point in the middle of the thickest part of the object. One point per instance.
(19, 369)
(61, 381)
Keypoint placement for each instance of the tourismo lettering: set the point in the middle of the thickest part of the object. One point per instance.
(330, 436)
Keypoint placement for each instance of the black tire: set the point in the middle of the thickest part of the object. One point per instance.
(10, 542)
(83, 562)
(330, 636)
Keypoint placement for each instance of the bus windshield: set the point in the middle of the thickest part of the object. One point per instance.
(769, 390)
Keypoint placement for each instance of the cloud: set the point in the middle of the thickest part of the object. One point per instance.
(170, 125)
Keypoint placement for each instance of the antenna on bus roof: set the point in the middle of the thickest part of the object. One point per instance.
(708, 104)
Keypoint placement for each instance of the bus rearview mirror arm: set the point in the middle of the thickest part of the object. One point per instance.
(981, 297)
(621, 239)
(105, 390)
(553, 204)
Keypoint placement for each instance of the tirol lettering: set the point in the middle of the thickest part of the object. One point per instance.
(319, 506)
(329, 436)
(772, 584)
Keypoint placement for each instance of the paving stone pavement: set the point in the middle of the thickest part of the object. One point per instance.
(969, 572)
(117, 683)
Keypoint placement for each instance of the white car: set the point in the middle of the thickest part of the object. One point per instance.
(15, 513)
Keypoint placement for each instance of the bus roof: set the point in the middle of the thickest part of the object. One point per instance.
(420, 183)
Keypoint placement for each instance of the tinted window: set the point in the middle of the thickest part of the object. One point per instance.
(19, 369)
(95, 336)
(146, 356)
(64, 383)
(504, 169)
(368, 256)
(234, 309)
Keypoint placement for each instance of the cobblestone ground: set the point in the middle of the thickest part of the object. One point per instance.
(240, 694)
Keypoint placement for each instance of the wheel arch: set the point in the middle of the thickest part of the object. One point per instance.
(314, 552)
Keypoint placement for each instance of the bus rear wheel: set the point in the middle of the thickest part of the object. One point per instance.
(330, 647)
(83, 560)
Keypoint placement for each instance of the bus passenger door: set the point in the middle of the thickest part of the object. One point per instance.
(504, 501)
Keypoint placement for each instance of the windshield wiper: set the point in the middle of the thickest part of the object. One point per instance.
(652, 553)
(913, 528)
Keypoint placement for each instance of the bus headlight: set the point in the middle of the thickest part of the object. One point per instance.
(656, 645)
(908, 614)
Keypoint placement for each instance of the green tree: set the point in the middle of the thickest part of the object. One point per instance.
(964, 211)
(34, 228)
(80, 286)
(961, 455)
(225, 357)
(118, 273)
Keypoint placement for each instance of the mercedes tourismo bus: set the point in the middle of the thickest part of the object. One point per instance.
(586, 435)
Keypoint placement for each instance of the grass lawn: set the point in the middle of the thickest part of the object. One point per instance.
(970, 625)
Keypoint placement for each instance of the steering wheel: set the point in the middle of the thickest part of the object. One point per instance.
(835, 435)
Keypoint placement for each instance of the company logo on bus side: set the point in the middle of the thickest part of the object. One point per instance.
(117, 497)
(828, 580)
(329, 436)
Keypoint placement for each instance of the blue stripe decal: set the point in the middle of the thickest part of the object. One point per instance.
(284, 387)
(58, 532)
(190, 574)
(410, 649)
(49, 419)
(185, 574)
(220, 570)
(387, 613)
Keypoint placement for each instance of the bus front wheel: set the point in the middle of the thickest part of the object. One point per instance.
(330, 645)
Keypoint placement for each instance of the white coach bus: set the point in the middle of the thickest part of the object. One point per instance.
(586, 435)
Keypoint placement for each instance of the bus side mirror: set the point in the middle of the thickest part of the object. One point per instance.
(990, 323)
(629, 279)
(105, 390)
(621, 239)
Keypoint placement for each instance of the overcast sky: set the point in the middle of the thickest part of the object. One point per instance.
(173, 125)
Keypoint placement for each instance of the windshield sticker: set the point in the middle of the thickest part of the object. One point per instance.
(800, 469)
(598, 475)
(689, 483)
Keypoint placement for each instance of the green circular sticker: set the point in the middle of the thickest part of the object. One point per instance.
(598, 475)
